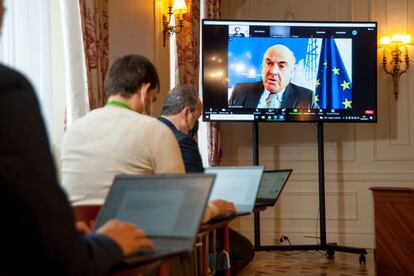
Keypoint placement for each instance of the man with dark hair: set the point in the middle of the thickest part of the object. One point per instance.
(127, 74)
(181, 110)
(39, 236)
(118, 138)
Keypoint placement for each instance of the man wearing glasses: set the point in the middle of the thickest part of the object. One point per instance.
(181, 110)
(180, 113)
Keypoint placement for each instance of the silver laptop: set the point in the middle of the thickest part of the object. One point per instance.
(168, 207)
(271, 186)
(238, 185)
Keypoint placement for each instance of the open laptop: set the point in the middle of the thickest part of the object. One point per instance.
(168, 207)
(271, 186)
(238, 185)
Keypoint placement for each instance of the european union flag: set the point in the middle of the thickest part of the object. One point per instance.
(333, 86)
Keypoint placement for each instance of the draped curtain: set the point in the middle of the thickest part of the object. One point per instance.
(94, 20)
(188, 47)
(25, 45)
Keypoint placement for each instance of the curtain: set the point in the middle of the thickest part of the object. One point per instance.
(74, 62)
(25, 45)
(187, 71)
(94, 21)
(188, 46)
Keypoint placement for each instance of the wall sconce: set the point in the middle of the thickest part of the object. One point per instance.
(180, 8)
(394, 44)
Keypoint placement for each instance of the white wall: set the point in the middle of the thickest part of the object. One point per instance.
(358, 156)
(135, 27)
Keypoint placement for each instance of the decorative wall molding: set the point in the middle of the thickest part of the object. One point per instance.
(366, 176)
(246, 224)
(340, 206)
(394, 133)
(288, 142)
(347, 239)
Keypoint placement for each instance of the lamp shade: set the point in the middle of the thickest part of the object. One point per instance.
(179, 5)
(406, 39)
(385, 40)
(396, 38)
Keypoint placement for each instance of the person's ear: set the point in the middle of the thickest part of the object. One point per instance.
(186, 110)
(145, 88)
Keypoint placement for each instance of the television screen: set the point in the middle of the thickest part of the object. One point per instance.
(289, 71)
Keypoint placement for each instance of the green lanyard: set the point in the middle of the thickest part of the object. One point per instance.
(118, 103)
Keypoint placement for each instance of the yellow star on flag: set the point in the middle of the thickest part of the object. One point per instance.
(347, 103)
(325, 64)
(345, 85)
(318, 83)
(335, 70)
(316, 98)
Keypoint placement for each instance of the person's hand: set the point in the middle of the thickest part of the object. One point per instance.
(224, 206)
(82, 227)
(128, 236)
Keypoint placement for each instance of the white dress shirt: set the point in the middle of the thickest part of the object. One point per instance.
(271, 100)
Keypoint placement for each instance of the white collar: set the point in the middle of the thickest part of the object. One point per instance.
(279, 95)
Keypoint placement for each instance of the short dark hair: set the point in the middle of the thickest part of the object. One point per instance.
(128, 73)
(178, 98)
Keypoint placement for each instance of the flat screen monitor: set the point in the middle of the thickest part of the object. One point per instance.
(289, 71)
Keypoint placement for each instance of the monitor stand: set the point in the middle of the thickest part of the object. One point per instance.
(330, 248)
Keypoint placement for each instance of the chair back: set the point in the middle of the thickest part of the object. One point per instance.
(87, 213)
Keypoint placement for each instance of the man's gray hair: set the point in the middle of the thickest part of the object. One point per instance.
(178, 98)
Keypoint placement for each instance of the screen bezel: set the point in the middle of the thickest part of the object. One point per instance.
(288, 22)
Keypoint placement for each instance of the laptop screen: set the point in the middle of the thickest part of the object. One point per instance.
(236, 184)
(165, 206)
(272, 183)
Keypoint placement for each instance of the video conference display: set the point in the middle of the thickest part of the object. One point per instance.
(289, 71)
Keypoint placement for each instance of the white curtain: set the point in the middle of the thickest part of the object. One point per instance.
(25, 45)
(74, 62)
(202, 131)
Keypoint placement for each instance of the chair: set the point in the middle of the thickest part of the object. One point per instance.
(202, 246)
(88, 214)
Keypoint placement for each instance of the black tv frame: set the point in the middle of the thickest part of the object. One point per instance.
(330, 248)
(269, 114)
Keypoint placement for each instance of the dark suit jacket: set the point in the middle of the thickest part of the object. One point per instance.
(189, 148)
(243, 251)
(37, 232)
(248, 95)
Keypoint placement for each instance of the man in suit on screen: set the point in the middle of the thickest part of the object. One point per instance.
(275, 90)
(237, 32)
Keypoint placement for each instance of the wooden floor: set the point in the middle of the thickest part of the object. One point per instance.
(309, 263)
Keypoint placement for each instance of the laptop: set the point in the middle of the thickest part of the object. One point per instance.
(168, 207)
(271, 186)
(238, 185)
